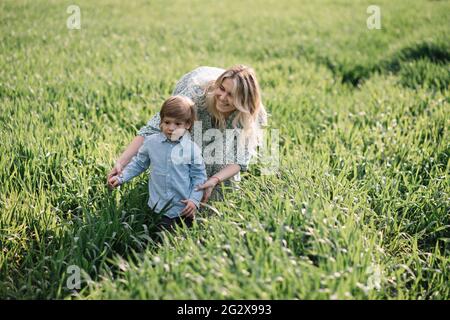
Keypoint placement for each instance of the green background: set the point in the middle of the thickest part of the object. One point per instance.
(359, 208)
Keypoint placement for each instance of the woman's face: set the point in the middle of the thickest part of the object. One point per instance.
(224, 97)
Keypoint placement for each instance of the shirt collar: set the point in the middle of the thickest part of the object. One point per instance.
(186, 136)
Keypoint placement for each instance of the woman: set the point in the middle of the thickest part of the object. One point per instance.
(225, 99)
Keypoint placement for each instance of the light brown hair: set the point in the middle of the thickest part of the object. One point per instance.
(180, 108)
(246, 94)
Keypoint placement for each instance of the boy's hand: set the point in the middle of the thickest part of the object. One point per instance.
(189, 210)
(113, 182)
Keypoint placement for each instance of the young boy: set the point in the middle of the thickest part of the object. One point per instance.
(177, 166)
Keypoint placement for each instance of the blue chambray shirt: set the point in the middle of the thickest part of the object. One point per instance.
(177, 167)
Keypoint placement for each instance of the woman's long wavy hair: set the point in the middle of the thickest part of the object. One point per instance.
(246, 99)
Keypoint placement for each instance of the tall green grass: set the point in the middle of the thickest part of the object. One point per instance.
(359, 208)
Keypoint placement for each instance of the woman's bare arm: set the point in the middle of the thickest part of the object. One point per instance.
(228, 172)
(126, 157)
(131, 150)
(224, 174)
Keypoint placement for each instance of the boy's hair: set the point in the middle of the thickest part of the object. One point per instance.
(180, 108)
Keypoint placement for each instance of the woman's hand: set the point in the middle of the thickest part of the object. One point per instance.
(115, 172)
(208, 186)
(189, 210)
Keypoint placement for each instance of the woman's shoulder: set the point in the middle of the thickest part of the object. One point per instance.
(194, 83)
(202, 75)
(216, 72)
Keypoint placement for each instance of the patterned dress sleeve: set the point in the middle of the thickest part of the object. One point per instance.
(151, 127)
(236, 152)
(194, 83)
(242, 153)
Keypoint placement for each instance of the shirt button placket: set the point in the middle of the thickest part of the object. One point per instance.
(168, 164)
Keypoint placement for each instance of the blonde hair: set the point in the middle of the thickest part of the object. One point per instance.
(246, 95)
(180, 108)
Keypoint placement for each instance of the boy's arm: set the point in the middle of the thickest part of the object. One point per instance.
(197, 173)
(137, 165)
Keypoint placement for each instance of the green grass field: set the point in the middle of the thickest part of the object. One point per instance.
(359, 208)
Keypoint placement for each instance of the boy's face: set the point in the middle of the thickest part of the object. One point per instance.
(174, 128)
